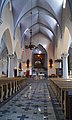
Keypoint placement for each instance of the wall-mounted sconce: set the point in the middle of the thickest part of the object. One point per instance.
(20, 67)
(27, 62)
(50, 63)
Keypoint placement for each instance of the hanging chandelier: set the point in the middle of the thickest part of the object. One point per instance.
(30, 45)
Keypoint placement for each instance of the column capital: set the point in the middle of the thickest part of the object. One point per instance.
(58, 60)
(11, 65)
(64, 55)
(11, 55)
(19, 60)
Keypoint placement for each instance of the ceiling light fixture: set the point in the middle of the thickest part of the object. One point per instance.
(30, 46)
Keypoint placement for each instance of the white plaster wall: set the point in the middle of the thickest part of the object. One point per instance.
(18, 50)
(51, 56)
(38, 39)
(41, 39)
(64, 45)
(15, 62)
(8, 41)
(66, 41)
(59, 48)
(7, 18)
(7, 23)
(67, 31)
(45, 42)
(4, 66)
(68, 21)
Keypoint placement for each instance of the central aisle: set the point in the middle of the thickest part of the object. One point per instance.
(32, 103)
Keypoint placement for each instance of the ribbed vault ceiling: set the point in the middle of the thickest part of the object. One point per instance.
(42, 16)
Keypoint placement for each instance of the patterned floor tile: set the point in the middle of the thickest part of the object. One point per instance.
(32, 103)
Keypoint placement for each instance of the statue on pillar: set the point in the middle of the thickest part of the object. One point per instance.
(20, 69)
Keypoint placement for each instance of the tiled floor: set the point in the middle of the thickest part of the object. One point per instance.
(32, 103)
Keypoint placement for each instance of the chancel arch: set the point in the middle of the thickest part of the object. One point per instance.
(66, 41)
(39, 60)
(8, 41)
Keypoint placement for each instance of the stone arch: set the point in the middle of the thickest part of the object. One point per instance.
(18, 50)
(40, 54)
(7, 49)
(8, 41)
(51, 51)
(15, 60)
(66, 40)
(58, 51)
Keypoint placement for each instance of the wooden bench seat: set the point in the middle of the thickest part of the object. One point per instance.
(9, 86)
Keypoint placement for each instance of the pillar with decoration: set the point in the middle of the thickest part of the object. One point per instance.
(65, 65)
(11, 66)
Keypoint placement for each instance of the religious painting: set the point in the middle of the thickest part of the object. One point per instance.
(39, 60)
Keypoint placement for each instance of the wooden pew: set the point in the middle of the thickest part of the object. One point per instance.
(60, 87)
(9, 86)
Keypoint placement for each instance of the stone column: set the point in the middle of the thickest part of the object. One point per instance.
(59, 64)
(18, 62)
(0, 67)
(65, 65)
(11, 66)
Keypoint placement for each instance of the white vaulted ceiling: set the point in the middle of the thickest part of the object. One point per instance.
(46, 16)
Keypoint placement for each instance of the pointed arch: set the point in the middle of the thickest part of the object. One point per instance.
(18, 50)
(39, 55)
(8, 40)
(66, 40)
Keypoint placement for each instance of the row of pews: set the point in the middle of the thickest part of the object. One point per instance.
(10, 86)
(62, 89)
